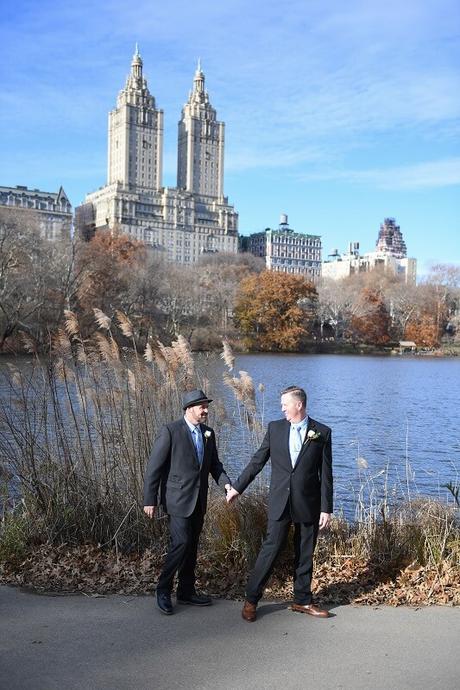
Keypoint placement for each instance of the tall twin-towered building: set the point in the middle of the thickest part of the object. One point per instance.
(200, 154)
(184, 221)
(135, 151)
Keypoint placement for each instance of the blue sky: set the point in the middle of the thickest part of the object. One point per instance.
(337, 113)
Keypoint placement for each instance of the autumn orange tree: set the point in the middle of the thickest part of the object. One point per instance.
(372, 323)
(112, 271)
(274, 311)
(423, 331)
(106, 260)
(429, 318)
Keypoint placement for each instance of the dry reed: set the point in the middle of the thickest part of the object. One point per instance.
(102, 320)
(77, 432)
(75, 436)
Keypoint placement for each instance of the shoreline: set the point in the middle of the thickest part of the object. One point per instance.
(322, 349)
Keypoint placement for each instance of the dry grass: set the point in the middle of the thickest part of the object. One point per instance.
(77, 430)
(407, 561)
(75, 434)
(243, 388)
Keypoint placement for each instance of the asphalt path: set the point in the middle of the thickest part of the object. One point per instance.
(124, 643)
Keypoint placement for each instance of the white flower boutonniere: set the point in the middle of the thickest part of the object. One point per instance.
(207, 434)
(313, 435)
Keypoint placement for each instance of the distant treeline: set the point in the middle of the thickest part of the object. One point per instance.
(221, 296)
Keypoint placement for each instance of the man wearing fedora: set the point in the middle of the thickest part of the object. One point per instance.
(182, 457)
(300, 493)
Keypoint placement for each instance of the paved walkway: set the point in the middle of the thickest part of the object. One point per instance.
(124, 643)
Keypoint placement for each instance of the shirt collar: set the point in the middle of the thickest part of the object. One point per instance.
(303, 423)
(191, 426)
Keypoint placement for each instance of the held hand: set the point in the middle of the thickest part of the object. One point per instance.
(149, 511)
(232, 495)
(325, 520)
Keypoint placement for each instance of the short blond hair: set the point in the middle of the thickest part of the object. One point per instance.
(297, 392)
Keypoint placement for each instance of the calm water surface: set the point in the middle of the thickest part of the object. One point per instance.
(400, 415)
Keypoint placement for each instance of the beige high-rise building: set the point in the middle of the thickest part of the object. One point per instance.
(200, 161)
(135, 154)
(182, 222)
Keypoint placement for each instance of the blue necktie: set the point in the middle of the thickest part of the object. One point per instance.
(198, 440)
(296, 444)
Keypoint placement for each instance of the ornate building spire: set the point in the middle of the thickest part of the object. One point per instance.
(136, 89)
(136, 134)
(200, 168)
(136, 66)
(199, 94)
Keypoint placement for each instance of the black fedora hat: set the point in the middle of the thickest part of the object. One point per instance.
(196, 397)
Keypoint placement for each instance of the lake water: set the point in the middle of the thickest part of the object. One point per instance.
(399, 415)
(395, 420)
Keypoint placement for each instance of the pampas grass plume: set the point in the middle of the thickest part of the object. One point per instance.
(102, 320)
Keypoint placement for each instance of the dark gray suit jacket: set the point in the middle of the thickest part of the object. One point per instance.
(173, 470)
(308, 487)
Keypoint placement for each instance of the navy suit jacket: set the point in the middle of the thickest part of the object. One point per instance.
(307, 486)
(174, 473)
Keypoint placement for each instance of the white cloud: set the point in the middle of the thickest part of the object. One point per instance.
(286, 75)
(431, 174)
(320, 89)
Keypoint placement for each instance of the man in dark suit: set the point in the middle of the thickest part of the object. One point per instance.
(300, 492)
(182, 457)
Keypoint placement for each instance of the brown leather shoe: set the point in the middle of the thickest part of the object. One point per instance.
(311, 610)
(249, 612)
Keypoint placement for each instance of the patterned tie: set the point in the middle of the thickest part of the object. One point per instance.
(198, 440)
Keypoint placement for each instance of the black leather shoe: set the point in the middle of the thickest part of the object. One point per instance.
(164, 603)
(195, 600)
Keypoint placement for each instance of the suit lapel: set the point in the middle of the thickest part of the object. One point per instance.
(189, 440)
(286, 432)
(205, 444)
(306, 441)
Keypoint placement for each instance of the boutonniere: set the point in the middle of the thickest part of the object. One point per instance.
(313, 435)
(207, 434)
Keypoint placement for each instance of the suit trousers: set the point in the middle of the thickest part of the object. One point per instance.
(184, 534)
(305, 536)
